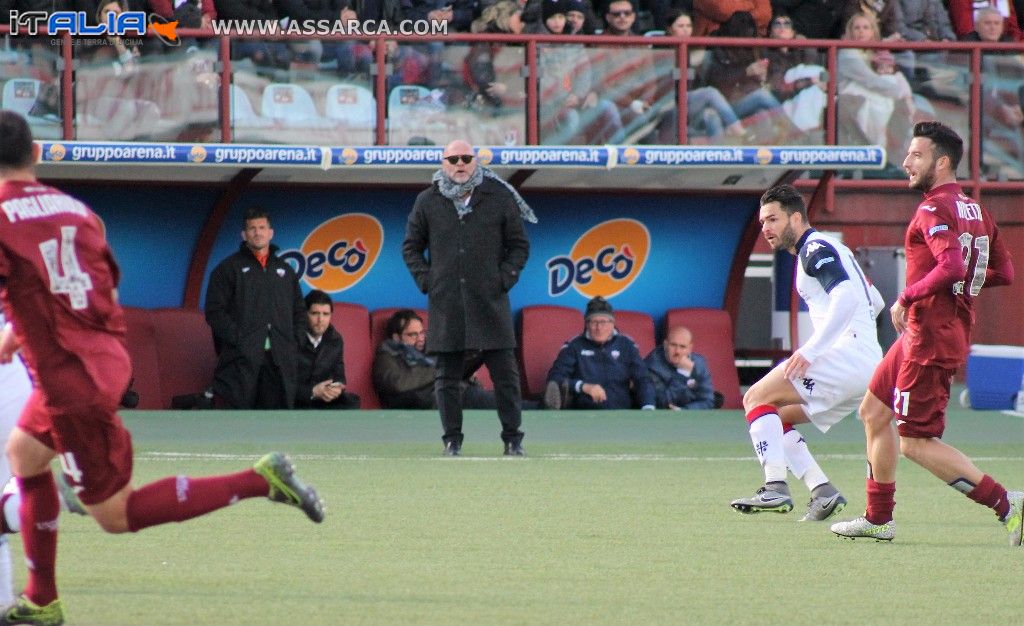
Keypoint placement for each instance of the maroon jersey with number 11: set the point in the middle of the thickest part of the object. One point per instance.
(59, 279)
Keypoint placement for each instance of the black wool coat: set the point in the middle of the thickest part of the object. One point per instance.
(244, 304)
(467, 266)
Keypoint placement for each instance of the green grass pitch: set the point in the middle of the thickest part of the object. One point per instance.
(613, 518)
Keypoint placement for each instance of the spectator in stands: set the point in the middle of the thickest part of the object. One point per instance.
(875, 102)
(1002, 115)
(814, 19)
(711, 15)
(504, 16)
(404, 375)
(740, 73)
(119, 52)
(459, 14)
(680, 376)
(964, 15)
(261, 53)
(465, 246)
(708, 113)
(888, 15)
(599, 369)
(796, 77)
(925, 20)
(254, 308)
(580, 18)
(321, 365)
(188, 13)
(629, 71)
(572, 111)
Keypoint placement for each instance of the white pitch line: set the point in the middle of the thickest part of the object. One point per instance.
(601, 458)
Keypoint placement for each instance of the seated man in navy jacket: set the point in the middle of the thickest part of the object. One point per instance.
(321, 370)
(599, 369)
(681, 377)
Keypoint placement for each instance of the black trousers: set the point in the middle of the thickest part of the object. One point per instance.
(454, 367)
(270, 385)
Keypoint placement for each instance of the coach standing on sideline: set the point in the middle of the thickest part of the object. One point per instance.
(254, 308)
(471, 222)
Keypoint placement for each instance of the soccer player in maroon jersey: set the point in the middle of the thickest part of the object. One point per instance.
(953, 249)
(58, 284)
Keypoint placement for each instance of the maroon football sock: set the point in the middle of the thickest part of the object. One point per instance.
(179, 498)
(881, 501)
(991, 494)
(39, 510)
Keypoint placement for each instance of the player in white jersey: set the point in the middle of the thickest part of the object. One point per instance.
(824, 380)
(15, 387)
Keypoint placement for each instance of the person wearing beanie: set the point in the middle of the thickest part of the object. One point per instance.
(595, 370)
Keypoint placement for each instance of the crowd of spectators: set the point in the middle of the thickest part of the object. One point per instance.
(595, 94)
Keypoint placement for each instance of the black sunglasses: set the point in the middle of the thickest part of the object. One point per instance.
(455, 158)
(620, 13)
(782, 23)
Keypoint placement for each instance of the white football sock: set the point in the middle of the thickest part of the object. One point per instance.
(766, 434)
(801, 462)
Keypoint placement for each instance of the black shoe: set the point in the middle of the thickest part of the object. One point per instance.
(514, 448)
(555, 395)
(452, 448)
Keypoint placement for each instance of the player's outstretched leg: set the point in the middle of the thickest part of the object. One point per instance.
(861, 527)
(286, 487)
(23, 611)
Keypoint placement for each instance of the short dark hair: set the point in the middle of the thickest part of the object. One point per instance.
(254, 213)
(317, 297)
(15, 141)
(399, 321)
(788, 198)
(947, 142)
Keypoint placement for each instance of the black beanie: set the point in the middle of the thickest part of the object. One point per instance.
(599, 306)
(553, 7)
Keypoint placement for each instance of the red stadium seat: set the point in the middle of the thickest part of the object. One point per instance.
(184, 347)
(712, 337)
(353, 322)
(543, 328)
(639, 327)
(145, 360)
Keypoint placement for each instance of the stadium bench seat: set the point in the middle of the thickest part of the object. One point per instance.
(145, 360)
(713, 338)
(639, 327)
(172, 354)
(353, 322)
(184, 347)
(543, 328)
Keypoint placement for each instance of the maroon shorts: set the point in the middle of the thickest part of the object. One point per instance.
(918, 393)
(94, 447)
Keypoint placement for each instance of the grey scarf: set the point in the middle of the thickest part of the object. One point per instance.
(455, 191)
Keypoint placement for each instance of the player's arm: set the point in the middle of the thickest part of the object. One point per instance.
(825, 266)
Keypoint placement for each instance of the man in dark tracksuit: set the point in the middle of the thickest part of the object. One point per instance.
(465, 246)
(254, 308)
(320, 383)
(681, 377)
(597, 368)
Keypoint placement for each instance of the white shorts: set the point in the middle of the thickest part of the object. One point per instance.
(836, 382)
(15, 387)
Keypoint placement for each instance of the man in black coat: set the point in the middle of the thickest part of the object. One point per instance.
(321, 378)
(254, 308)
(471, 222)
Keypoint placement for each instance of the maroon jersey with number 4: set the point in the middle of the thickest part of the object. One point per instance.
(59, 278)
(939, 325)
